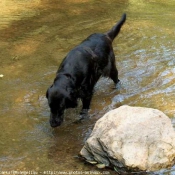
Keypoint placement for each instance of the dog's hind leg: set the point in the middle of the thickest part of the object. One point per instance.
(114, 76)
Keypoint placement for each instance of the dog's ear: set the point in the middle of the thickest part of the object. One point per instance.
(71, 98)
(71, 92)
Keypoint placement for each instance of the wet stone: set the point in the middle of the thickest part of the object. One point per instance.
(134, 138)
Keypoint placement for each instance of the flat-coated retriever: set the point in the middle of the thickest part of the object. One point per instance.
(79, 72)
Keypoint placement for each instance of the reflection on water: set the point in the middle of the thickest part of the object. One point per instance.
(13, 10)
(34, 37)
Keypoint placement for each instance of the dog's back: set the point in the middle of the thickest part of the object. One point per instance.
(96, 47)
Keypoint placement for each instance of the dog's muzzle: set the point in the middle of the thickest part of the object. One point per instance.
(56, 120)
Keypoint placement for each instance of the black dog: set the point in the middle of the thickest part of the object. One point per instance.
(79, 72)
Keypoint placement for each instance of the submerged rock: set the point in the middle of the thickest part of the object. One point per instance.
(135, 138)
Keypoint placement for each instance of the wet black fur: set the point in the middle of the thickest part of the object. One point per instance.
(79, 72)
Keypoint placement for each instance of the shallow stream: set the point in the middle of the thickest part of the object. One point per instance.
(35, 36)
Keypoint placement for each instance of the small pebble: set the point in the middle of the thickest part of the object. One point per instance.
(101, 165)
(1, 75)
(92, 162)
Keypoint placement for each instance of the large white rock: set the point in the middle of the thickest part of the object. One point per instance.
(133, 137)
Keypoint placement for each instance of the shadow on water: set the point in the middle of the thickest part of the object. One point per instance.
(34, 38)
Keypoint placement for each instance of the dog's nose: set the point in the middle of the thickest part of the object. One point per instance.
(54, 123)
(56, 119)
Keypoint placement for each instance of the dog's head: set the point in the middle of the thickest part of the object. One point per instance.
(59, 99)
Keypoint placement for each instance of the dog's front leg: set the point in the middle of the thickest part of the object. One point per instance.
(86, 104)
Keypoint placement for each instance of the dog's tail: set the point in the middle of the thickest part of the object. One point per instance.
(116, 29)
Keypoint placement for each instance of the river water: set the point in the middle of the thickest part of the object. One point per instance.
(35, 35)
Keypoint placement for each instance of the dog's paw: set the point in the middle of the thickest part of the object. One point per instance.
(83, 116)
(81, 119)
(118, 85)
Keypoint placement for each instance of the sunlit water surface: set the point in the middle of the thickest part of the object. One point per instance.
(35, 36)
